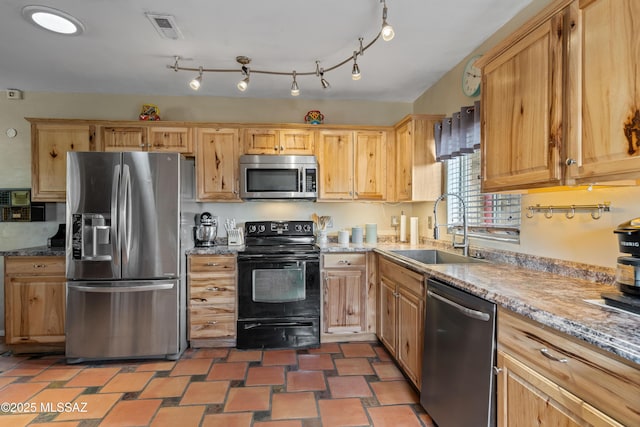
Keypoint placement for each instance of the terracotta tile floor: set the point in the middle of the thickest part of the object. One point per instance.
(351, 384)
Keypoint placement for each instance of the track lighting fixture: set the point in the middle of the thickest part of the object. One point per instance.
(196, 82)
(387, 30)
(295, 90)
(244, 83)
(355, 71)
(386, 33)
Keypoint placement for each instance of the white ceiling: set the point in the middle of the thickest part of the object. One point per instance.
(121, 52)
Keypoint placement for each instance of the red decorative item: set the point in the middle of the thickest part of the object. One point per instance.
(314, 117)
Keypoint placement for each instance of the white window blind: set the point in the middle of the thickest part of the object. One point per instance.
(489, 215)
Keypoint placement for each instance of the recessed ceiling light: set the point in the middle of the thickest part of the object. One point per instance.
(53, 20)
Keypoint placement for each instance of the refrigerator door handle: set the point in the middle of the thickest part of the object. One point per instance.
(115, 229)
(125, 213)
(118, 289)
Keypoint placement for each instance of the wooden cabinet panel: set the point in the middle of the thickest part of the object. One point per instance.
(217, 164)
(604, 94)
(170, 138)
(418, 175)
(344, 293)
(370, 165)
(35, 297)
(212, 282)
(401, 316)
(522, 112)
(597, 379)
(524, 395)
(278, 141)
(123, 138)
(297, 141)
(335, 158)
(261, 141)
(49, 146)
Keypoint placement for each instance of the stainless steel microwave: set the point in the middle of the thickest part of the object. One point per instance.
(276, 177)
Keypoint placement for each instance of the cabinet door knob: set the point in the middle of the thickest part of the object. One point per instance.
(571, 162)
(545, 353)
(275, 148)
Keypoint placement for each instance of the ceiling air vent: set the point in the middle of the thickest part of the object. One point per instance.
(165, 25)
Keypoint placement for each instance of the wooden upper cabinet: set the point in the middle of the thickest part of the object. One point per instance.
(370, 165)
(522, 111)
(123, 138)
(604, 91)
(353, 165)
(170, 138)
(418, 176)
(50, 143)
(278, 141)
(217, 164)
(335, 159)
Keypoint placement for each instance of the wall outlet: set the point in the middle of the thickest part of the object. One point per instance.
(429, 222)
(14, 94)
(330, 223)
(394, 221)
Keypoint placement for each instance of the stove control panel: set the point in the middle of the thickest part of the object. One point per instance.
(279, 228)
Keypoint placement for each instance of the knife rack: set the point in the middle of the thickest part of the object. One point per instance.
(569, 210)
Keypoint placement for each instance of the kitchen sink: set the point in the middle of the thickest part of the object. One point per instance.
(435, 256)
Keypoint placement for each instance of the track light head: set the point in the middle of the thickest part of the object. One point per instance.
(355, 71)
(197, 81)
(295, 90)
(244, 83)
(325, 84)
(387, 30)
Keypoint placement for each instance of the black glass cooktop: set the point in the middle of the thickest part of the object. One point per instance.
(622, 301)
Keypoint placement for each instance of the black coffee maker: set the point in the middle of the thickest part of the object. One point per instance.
(627, 268)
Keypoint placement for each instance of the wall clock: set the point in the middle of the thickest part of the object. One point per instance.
(471, 78)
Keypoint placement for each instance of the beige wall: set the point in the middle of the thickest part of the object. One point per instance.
(581, 239)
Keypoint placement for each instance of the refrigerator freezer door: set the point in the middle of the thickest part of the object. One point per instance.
(92, 205)
(150, 209)
(122, 319)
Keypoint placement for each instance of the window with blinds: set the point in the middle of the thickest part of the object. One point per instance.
(489, 216)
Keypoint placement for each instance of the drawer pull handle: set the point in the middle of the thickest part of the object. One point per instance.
(344, 261)
(214, 288)
(211, 322)
(39, 265)
(199, 299)
(212, 264)
(497, 370)
(545, 353)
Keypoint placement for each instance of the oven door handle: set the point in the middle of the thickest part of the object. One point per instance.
(281, 324)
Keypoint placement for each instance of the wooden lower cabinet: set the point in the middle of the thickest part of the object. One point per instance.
(401, 316)
(348, 299)
(549, 379)
(212, 300)
(35, 293)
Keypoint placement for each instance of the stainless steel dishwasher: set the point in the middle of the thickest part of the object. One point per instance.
(458, 384)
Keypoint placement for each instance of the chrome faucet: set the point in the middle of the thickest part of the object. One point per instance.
(436, 232)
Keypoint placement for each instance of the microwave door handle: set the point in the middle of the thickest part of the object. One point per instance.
(115, 227)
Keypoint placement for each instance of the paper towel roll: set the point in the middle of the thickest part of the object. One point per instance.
(413, 232)
(403, 228)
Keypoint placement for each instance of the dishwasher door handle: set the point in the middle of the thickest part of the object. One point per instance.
(474, 314)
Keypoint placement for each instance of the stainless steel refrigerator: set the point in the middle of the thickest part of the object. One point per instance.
(125, 296)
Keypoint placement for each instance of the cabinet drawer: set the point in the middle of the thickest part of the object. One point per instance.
(342, 260)
(599, 379)
(207, 263)
(206, 323)
(219, 292)
(404, 277)
(41, 265)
